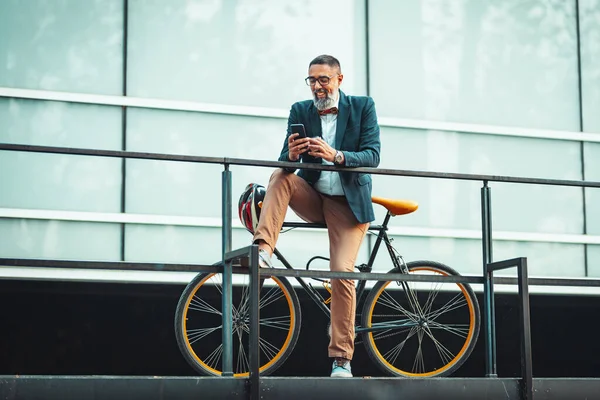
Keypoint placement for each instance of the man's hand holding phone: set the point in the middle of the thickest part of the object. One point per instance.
(297, 142)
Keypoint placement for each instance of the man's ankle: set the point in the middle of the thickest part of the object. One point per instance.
(340, 361)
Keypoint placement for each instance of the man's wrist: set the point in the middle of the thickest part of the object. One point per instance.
(338, 158)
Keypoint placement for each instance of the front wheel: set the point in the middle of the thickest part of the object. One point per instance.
(198, 323)
(420, 329)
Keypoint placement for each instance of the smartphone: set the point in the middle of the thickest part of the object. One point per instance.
(298, 128)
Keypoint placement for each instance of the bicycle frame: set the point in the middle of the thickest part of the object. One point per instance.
(361, 284)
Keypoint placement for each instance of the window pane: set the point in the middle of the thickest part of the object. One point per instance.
(55, 123)
(177, 188)
(593, 253)
(457, 204)
(178, 244)
(67, 45)
(592, 195)
(589, 16)
(53, 181)
(491, 62)
(465, 255)
(23, 238)
(544, 259)
(243, 52)
(172, 244)
(203, 245)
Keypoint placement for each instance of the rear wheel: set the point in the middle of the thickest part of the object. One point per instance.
(198, 324)
(421, 329)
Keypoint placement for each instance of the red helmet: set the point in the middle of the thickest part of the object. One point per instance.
(250, 204)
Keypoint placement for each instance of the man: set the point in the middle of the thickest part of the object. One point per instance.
(341, 130)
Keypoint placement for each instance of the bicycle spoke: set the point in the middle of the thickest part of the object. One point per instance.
(461, 330)
(385, 299)
(445, 355)
(419, 363)
(213, 358)
(198, 304)
(413, 300)
(383, 334)
(394, 352)
(431, 298)
(282, 322)
(244, 302)
(242, 360)
(196, 334)
(218, 284)
(457, 301)
(270, 297)
(268, 348)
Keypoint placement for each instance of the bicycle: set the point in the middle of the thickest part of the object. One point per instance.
(400, 325)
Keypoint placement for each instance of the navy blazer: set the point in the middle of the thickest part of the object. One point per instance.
(356, 135)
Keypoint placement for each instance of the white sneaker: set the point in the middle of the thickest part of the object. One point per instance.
(264, 260)
(341, 371)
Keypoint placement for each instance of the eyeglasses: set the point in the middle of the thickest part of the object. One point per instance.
(323, 80)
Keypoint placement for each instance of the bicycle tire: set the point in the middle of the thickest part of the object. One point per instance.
(391, 354)
(195, 311)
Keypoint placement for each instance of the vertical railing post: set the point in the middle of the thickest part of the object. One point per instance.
(227, 274)
(254, 337)
(526, 363)
(489, 317)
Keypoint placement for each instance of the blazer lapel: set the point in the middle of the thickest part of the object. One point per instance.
(342, 120)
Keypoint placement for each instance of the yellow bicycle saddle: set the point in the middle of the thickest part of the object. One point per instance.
(396, 207)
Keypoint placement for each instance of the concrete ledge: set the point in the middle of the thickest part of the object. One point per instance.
(33, 387)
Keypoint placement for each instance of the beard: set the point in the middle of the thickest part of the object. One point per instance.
(324, 103)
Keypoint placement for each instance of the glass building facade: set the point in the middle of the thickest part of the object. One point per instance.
(500, 87)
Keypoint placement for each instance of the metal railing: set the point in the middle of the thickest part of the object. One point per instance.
(251, 252)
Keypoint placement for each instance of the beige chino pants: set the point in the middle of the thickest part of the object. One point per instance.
(345, 237)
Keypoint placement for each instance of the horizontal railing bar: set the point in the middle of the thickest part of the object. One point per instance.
(266, 112)
(504, 264)
(584, 282)
(217, 268)
(370, 276)
(319, 167)
(417, 174)
(111, 153)
(120, 265)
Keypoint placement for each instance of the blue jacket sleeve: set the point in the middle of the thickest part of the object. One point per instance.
(369, 146)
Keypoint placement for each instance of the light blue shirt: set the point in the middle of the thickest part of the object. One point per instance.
(329, 182)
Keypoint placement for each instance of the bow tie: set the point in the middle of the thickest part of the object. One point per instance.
(332, 110)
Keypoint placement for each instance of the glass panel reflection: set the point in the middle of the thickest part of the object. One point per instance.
(502, 62)
(241, 52)
(54, 181)
(589, 25)
(67, 45)
(446, 203)
(592, 195)
(60, 240)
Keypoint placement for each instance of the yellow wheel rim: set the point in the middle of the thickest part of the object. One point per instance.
(458, 355)
(245, 374)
